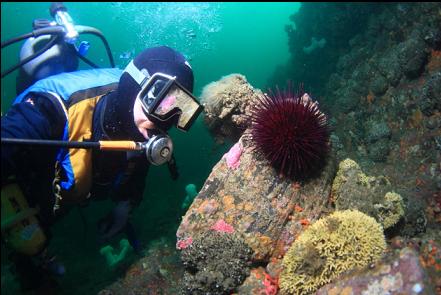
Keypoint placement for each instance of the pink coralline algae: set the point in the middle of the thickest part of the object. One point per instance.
(271, 285)
(233, 156)
(182, 244)
(222, 226)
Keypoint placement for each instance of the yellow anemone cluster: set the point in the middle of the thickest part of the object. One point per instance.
(340, 242)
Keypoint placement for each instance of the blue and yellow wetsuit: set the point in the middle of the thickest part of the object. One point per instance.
(39, 113)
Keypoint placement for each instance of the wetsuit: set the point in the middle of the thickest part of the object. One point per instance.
(118, 175)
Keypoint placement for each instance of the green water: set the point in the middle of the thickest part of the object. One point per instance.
(217, 38)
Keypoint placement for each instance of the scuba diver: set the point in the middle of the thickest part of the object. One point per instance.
(77, 135)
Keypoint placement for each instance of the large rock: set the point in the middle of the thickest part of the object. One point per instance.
(413, 54)
(264, 208)
(401, 273)
(353, 189)
(244, 196)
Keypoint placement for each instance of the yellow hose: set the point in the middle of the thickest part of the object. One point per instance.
(118, 145)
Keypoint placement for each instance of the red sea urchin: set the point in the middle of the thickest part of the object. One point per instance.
(291, 132)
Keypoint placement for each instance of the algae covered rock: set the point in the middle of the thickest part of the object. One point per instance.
(379, 151)
(257, 203)
(215, 263)
(225, 104)
(400, 272)
(415, 219)
(353, 189)
(342, 241)
(378, 136)
(265, 208)
(390, 212)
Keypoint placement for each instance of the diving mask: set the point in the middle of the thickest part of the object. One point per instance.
(164, 99)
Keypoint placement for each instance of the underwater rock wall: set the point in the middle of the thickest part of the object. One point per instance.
(382, 92)
(352, 189)
(379, 80)
(318, 36)
(385, 99)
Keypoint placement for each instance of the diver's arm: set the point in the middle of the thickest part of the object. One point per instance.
(34, 118)
(128, 194)
(133, 188)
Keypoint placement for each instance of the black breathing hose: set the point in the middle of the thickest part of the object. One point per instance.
(16, 39)
(107, 145)
(47, 46)
(52, 143)
(85, 59)
(93, 31)
(56, 31)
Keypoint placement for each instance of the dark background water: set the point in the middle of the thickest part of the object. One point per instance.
(217, 38)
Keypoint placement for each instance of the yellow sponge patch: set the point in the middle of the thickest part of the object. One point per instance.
(343, 241)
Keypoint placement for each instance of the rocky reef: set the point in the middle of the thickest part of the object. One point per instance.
(256, 202)
(384, 94)
(378, 76)
(383, 97)
(335, 24)
(376, 69)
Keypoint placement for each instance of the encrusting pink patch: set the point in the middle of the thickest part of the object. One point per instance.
(222, 226)
(233, 156)
(271, 285)
(182, 244)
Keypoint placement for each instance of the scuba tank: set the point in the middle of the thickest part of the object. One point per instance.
(52, 47)
(20, 227)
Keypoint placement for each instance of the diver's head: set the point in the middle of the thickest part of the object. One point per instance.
(58, 59)
(154, 93)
